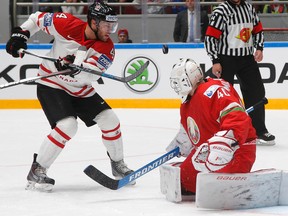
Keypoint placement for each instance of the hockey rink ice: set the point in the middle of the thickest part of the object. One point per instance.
(145, 132)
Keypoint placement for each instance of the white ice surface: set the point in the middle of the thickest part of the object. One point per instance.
(146, 133)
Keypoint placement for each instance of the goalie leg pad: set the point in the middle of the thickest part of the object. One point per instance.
(283, 199)
(240, 190)
(170, 182)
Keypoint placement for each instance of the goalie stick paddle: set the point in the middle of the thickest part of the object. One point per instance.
(88, 70)
(114, 184)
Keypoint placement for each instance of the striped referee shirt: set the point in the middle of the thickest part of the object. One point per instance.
(234, 30)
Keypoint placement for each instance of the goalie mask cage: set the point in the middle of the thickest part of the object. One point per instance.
(275, 34)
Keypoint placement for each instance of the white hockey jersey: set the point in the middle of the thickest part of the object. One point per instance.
(68, 32)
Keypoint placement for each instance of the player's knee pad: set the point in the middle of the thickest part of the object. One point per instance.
(107, 120)
(65, 129)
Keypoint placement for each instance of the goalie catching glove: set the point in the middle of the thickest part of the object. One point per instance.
(216, 153)
(182, 141)
(18, 40)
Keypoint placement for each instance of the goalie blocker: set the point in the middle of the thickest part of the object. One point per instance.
(262, 188)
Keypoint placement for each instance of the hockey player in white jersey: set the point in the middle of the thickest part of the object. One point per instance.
(65, 98)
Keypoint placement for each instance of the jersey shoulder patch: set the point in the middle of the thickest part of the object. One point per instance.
(48, 19)
(216, 84)
(104, 61)
(211, 90)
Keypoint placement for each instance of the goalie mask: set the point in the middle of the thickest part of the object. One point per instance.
(185, 77)
(103, 14)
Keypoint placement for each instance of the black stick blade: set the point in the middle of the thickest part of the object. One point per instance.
(101, 178)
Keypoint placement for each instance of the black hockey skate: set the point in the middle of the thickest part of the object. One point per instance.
(37, 178)
(266, 139)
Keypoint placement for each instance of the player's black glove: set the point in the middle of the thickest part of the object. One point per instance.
(63, 63)
(17, 41)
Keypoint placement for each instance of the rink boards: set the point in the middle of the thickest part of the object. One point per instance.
(152, 90)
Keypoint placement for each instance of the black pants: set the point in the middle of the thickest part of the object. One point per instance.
(248, 75)
(58, 104)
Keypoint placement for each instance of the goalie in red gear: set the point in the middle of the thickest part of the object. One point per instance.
(216, 133)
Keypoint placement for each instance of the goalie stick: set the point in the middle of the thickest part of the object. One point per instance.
(88, 70)
(114, 184)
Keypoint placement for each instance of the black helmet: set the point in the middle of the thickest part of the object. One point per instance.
(101, 11)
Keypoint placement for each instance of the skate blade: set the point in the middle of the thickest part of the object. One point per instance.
(261, 142)
(33, 186)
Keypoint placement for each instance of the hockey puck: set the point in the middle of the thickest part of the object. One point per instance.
(165, 49)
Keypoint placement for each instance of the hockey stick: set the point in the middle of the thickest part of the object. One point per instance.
(255, 106)
(23, 51)
(114, 184)
(88, 70)
(32, 79)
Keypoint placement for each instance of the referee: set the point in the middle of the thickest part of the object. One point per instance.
(233, 33)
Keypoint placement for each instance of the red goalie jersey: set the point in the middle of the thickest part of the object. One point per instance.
(218, 103)
(215, 107)
(68, 32)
